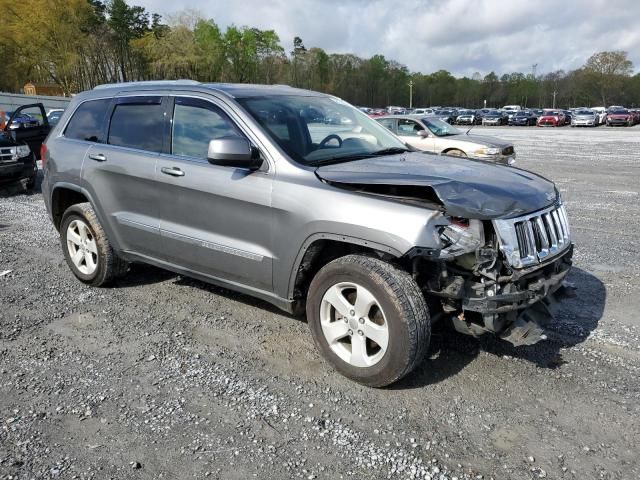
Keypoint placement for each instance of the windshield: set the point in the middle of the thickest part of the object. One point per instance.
(319, 130)
(440, 128)
(584, 112)
(619, 111)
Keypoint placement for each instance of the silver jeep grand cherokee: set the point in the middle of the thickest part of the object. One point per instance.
(254, 188)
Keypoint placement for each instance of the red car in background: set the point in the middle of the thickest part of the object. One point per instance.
(620, 116)
(551, 118)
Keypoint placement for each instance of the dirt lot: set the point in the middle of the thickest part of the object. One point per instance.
(166, 377)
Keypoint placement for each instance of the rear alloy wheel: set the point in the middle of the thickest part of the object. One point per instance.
(368, 319)
(86, 247)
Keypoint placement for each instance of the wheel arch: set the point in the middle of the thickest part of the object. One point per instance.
(320, 249)
(456, 149)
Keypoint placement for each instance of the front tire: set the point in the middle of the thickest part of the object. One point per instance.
(368, 319)
(86, 247)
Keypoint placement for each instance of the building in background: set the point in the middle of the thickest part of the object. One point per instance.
(48, 89)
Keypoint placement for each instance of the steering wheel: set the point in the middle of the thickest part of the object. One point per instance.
(328, 138)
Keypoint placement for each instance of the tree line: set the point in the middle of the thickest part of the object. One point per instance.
(78, 44)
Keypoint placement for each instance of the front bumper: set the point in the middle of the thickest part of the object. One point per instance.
(524, 288)
(12, 171)
(618, 121)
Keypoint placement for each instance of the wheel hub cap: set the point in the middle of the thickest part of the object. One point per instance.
(354, 324)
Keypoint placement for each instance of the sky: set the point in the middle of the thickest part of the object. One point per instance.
(461, 36)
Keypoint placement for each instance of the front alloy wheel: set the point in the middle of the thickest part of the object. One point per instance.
(369, 319)
(354, 325)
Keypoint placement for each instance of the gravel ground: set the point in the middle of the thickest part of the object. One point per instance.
(166, 377)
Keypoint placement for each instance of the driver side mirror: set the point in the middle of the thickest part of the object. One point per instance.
(234, 152)
(423, 134)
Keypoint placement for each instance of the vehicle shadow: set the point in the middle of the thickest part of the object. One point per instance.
(575, 319)
(140, 274)
(17, 188)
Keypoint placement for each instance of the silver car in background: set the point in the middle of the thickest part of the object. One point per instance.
(584, 118)
(433, 135)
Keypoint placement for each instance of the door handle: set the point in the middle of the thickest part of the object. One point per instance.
(98, 157)
(173, 171)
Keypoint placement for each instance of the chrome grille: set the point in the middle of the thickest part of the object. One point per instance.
(6, 155)
(533, 238)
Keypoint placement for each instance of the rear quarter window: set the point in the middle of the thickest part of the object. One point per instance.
(87, 123)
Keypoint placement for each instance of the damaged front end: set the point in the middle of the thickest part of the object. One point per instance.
(498, 276)
(492, 265)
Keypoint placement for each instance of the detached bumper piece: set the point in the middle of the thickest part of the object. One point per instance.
(518, 307)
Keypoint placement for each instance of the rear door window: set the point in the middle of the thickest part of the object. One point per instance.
(87, 122)
(137, 122)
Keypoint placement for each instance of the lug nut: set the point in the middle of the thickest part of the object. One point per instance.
(346, 320)
(350, 332)
(361, 320)
(360, 332)
(352, 312)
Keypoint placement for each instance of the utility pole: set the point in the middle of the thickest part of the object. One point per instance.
(554, 99)
(410, 93)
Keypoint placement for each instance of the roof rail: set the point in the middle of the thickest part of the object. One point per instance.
(147, 83)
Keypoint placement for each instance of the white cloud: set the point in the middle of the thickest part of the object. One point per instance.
(462, 36)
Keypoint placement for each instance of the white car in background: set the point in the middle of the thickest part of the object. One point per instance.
(431, 134)
(601, 112)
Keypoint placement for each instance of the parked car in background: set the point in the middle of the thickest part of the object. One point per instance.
(423, 111)
(551, 118)
(636, 114)
(619, 116)
(511, 108)
(430, 134)
(601, 112)
(20, 119)
(568, 115)
(395, 110)
(54, 115)
(523, 118)
(494, 118)
(584, 118)
(20, 145)
(467, 117)
(448, 116)
(372, 240)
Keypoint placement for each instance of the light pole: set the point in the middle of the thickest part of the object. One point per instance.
(410, 94)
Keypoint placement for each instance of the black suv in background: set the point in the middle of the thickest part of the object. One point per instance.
(20, 144)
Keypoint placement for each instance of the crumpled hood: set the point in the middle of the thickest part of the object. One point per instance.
(465, 187)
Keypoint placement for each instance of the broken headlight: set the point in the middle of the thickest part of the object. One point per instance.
(460, 236)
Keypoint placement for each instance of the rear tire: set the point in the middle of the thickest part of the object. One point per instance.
(86, 247)
(385, 330)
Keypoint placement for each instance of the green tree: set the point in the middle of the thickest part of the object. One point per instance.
(607, 71)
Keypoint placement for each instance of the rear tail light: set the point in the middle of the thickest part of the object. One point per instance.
(43, 154)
